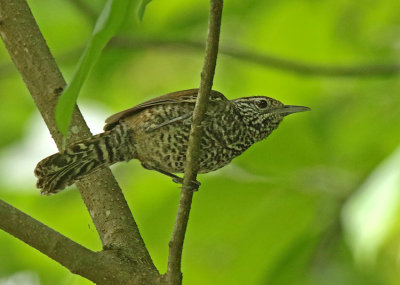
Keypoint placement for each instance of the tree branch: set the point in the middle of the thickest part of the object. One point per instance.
(97, 267)
(267, 60)
(41, 237)
(100, 192)
(263, 59)
(174, 275)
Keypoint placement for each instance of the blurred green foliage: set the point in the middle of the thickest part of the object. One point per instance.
(275, 215)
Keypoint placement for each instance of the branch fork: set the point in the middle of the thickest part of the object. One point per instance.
(125, 259)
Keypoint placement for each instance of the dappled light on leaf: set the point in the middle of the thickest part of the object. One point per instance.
(371, 212)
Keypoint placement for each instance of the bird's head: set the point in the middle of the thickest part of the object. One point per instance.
(263, 114)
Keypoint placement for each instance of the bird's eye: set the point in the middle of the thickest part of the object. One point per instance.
(262, 104)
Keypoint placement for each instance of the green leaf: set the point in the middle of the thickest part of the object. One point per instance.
(108, 23)
(142, 8)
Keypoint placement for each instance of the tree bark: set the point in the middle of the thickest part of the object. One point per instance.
(174, 274)
(124, 259)
(100, 192)
(100, 267)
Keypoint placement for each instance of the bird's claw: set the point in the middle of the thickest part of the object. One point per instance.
(193, 185)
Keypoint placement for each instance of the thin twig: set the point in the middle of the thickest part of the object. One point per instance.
(174, 275)
(361, 70)
(266, 60)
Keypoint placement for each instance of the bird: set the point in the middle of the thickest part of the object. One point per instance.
(156, 133)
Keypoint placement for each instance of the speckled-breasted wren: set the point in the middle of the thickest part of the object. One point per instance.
(157, 131)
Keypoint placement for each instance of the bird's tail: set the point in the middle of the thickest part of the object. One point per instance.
(62, 169)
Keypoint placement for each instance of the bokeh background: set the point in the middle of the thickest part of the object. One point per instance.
(317, 203)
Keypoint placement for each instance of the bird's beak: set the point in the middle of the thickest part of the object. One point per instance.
(289, 109)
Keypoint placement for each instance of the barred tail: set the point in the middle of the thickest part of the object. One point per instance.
(62, 169)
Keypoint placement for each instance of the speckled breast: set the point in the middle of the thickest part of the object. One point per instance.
(163, 146)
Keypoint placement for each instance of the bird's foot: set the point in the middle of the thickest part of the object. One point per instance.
(193, 185)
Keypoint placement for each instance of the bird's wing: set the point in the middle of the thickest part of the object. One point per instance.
(184, 96)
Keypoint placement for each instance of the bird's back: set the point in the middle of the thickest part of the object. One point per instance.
(161, 134)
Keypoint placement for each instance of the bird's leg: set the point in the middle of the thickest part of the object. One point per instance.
(194, 185)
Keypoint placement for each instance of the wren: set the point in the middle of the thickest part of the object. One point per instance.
(156, 133)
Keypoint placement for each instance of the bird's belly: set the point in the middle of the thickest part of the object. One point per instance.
(165, 149)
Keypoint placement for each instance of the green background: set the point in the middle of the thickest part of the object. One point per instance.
(316, 203)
